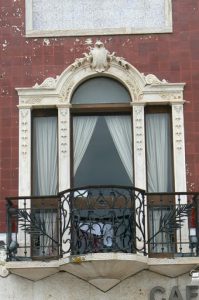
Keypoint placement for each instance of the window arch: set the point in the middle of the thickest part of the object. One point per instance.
(100, 90)
(102, 136)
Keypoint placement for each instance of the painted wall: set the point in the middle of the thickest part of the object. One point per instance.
(64, 286)
(25, 61)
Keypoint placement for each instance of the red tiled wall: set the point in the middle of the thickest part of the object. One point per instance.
(25, 61)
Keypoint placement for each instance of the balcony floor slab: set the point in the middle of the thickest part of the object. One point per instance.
(172, 267)
(33, 270)
(103, 270)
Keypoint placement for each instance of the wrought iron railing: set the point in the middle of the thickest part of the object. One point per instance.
(172, 228)
(33, 228)
(102, 219)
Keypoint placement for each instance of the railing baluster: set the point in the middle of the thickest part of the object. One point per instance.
(25, 237)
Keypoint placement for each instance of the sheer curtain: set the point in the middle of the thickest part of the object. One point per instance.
(45, 174)
(45, 156)
(83, 127)
(158, 145)
(120, 130)
(159, 173)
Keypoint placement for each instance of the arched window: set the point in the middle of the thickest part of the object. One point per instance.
(102, 133)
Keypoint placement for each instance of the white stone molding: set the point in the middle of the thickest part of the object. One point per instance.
(139, 146)
(64, 147)
(152, 79)
(179, 164)
(64, 165)
(24, 151)
(179, 147)
(24, 167)
(48, 83)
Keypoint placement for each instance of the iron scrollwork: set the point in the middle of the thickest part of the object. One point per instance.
(102, 219)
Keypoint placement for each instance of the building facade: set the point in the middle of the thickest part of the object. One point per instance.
(99, 150)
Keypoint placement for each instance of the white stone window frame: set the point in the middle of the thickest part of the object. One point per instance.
(31, 32)
(144, 90)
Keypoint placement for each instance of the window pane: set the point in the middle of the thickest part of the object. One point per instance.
(101, 163)
(44, 156)
(101, 90)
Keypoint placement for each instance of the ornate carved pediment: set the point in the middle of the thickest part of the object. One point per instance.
(99, 59)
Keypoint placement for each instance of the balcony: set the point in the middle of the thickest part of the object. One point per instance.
(86, 231)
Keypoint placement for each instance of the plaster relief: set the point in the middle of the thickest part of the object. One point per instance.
(139, 129)
(32, 100)
(24, 131)
(99, 59)
(63, 130)
(178, 127)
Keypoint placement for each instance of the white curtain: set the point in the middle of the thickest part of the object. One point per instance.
(158, 145)
(45, 156)
(83, 128)
(159, 173)
(120, 130)
(45, 175)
